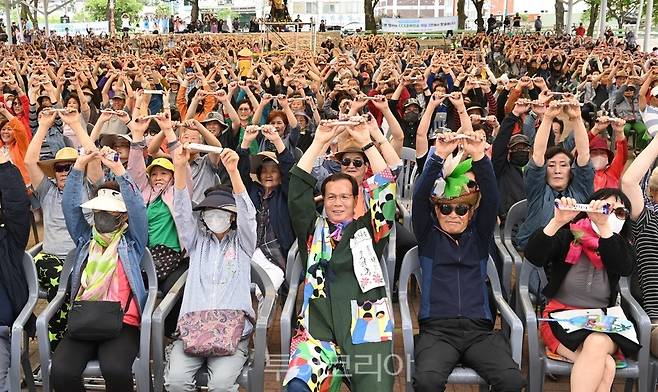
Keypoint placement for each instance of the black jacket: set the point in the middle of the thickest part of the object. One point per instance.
(14, 234)
(542, 250)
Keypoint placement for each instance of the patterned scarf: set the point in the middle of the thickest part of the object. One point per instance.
(99, 279)
(584, 240)
(320, 251)
(337, 234)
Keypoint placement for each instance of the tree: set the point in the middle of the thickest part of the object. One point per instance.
(461, 14)
(162, 10)
(194, 13)
(369, 10)
(593, 15)
(99, 9)
(618, 9)
(478, 9)
(559, 17)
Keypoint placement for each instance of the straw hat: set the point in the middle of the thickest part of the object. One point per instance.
(66, 154)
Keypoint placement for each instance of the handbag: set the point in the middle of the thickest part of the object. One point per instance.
(166, 260)
(211, 333)
(96, 320)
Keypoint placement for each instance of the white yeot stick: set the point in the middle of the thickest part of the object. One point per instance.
(153, 92)
(203, 148)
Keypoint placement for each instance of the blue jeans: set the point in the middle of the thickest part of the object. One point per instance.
(297, 385)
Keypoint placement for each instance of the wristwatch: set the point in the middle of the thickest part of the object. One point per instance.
(367, 146)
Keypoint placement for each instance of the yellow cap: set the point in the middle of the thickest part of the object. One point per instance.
(162, 162)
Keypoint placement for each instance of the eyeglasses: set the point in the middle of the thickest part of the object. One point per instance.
(342, 197)
(347, 161)
(62, 168)
(459, 209)
(471, 184)
(621, 212)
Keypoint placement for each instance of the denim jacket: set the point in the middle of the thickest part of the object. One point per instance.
(132, 244)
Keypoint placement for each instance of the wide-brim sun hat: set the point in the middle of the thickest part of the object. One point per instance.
(106, 200)
(217, 199)
(66, 154)
(259, 159)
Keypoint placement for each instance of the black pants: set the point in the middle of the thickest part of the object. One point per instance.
(443, 344)
(116, 357)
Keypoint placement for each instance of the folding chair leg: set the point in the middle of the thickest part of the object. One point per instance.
(628, 385)
(27, 367)
(35, 232)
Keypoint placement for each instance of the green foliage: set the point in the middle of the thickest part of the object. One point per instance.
(162, 9)
(97, 9)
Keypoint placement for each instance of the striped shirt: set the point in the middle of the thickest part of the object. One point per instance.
(645, 232)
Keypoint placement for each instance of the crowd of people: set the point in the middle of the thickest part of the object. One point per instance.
(213, 154)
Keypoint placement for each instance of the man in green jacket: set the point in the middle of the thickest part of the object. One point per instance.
(344, 327)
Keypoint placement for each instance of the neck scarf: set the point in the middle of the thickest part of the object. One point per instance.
(99, 279)
(337, 234)
(584, 240)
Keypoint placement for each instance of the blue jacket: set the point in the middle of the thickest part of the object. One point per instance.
(454, 268)
(279, 215)
(131, 246)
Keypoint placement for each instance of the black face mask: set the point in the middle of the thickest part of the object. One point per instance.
(104, 222)
(519, 158)
(411, 117)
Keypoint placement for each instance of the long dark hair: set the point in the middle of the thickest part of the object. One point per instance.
(605, 193)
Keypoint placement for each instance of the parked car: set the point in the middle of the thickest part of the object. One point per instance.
(630, 18)
(351, 29)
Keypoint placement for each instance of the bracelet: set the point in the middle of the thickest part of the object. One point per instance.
(367, 146)
(172, 145)
(140, 144)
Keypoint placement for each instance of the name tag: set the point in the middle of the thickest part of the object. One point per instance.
(367, 269)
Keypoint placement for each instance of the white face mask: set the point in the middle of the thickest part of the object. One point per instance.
(218, 221)
(615, 224)
(599, 162)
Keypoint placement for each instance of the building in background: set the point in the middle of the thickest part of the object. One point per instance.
(334, 12)
(415, 8)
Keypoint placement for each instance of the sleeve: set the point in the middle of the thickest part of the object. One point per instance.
(286, 162)
(491, 103)
(20, 134)
(500, 143)
(246, 222)
(137, 167)
(137, 220)
(181, 101)
(487, 212)
(300, 202)
(582, 184)
(76, 224)
(534, 180)
(244, 167)
(511, 100)
(616, 255)
(15, 205)
(186, 223)
(421, 206)
(619, 161)
(294, 135)
(381, 191)
(541, 249)
(529, 128)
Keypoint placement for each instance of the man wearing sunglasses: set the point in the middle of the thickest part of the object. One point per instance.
(455, 204)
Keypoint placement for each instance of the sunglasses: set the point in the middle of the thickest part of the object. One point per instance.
(459, 209)
(62, 168)
(471, 184)
(621, 212)
(347, 161)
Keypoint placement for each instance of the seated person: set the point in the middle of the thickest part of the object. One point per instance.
(344, 285)
(553, 173)
(588, 252)
(270, 197)
(15, 230)
(453, 257)
(107, 268)
(219, 277)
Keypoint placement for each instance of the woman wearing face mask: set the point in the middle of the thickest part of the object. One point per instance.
(608, 166)
(644, 216)
(107, 268)
(157, 187)
(588, 253)
(219, 277)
